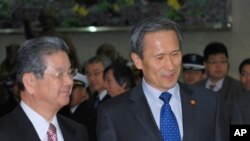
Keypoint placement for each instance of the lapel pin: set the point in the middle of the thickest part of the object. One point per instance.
(193, 102)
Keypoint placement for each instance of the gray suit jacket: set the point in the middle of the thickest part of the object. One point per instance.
(231, 89)
(128, 117)
(241, 109)
(16, 126)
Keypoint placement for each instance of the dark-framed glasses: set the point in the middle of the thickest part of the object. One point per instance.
(245, 74)
(212, 62)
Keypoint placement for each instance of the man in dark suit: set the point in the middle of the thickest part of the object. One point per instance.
(139, 114)
(44, 76)
(217, 67)
(94, 68)
(78, 100)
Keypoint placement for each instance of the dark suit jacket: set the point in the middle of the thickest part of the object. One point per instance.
(128, 117)
(16, 126)
(78, 115)
(231, 88)
(91, 116)
(241, 109)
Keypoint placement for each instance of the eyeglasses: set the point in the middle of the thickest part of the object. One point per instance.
(70, 73)
(245, 74)
(223, 62)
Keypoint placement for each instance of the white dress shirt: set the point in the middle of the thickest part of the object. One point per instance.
(155, 103)
(102, 95)
(40, 124)
(217, 86)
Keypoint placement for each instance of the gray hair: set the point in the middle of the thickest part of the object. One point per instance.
(152, 24)
(31, 56)
(99, 58)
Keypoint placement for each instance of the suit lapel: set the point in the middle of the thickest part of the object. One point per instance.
(145, 118)
(106, 97)
(143, 114)
(24, 126)
(224, 91)
(68, 131)
(188, 112)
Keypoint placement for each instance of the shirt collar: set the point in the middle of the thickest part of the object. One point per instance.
(40, 124)
(155, 93)
(218, 84)
(102, 94)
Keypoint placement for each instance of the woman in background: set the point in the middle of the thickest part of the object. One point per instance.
(118, 79)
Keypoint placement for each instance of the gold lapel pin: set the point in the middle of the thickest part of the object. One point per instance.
(193, 102)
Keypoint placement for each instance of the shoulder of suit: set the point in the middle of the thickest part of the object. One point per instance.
(118, 101)
(63, 120)
(197, 90)
(232, 80)
(243, 97)
(201, 83)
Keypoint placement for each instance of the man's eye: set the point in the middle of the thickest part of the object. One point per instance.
(211, 62)
(60, 74)
(244, 74)
(175, 53)
(159, 57)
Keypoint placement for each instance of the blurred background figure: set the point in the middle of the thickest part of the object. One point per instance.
(118, 79)
(47, 23)
(9, 92)
(241, 110)
(109, 51)
(78, 99)
(244, 70)
(94, 69)
(137, 73)
(217, 68)
(193, 68)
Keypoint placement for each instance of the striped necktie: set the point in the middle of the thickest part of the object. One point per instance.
(52, 133)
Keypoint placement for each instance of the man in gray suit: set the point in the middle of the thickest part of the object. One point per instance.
(217, 67)
(136, 114)
(45, 79)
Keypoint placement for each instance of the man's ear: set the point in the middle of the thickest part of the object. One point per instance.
(137, 60)
(29, 82)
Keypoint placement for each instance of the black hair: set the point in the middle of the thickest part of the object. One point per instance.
(243, 63)
(215, 48)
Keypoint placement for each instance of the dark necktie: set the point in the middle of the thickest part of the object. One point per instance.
(52, 133)
(97, 102)
(212, 86)
(168, 123)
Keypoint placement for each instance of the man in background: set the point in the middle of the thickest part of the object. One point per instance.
(217, 67)
(244, 70)
(118, 79)
(94, 69)
(78, 99)
(193, 69)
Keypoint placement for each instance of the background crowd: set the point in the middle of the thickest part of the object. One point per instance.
(107, 74)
